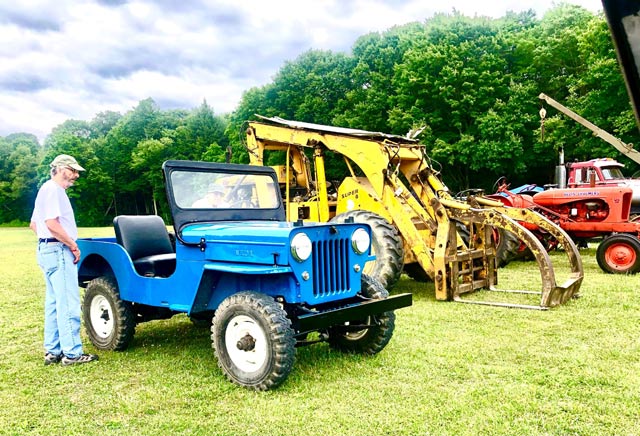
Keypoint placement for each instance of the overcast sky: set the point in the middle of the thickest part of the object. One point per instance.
(71, 59)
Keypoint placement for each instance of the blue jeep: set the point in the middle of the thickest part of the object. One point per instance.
(263, 284)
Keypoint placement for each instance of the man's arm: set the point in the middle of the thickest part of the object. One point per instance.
(59, 233)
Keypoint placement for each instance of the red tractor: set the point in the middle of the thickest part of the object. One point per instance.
(594, 202)
(607, 172)
(597, 212)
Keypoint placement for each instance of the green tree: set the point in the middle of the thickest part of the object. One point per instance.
(146, 160)
(257, 100)
(19, 154)
(90, 194)
(200, 131)
(103, 122)
(472, 82)
(367, 104)
(309, 88)
(453, 81)
(146, 121)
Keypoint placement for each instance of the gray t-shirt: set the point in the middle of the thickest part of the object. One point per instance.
(52, 202)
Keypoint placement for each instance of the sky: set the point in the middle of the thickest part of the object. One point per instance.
(72, 59)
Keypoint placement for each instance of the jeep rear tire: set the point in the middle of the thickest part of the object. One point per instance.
(108, 320)
(352, 337)
(253, 340)
(386, 245)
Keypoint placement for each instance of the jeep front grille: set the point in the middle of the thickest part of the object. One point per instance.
(331, 267)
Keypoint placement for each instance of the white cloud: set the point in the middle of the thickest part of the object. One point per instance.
(71, 60)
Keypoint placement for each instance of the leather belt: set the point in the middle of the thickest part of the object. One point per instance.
(47, 240)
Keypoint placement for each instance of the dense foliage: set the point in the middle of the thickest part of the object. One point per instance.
(472, 83)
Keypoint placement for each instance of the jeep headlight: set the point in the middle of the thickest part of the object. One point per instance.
(301, 247)
(360, 241)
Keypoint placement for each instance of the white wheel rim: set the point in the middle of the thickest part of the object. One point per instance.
(246, 360)
(101, 316)
(358, 334)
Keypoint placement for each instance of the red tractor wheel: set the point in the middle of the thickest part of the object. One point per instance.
(619, 254)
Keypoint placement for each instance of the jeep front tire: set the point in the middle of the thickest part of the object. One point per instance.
(253, 340)
(354, 337)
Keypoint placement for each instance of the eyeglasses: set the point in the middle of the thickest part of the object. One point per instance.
(73, 170)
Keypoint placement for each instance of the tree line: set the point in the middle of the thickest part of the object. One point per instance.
(470, 82)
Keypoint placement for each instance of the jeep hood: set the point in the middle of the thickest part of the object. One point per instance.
(249, 242)
(256, 242)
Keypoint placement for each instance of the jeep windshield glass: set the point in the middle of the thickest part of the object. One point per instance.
(217, 190)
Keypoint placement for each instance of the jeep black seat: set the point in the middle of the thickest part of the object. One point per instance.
(146, 239)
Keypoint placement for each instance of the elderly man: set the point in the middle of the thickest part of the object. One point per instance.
(213, 198)
(54, 223)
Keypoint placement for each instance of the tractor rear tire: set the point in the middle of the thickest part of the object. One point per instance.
(415, 271)
(365, 340)
(253, 340)
(507, 247)
(619, 254)
(109, 321)
(386, 244)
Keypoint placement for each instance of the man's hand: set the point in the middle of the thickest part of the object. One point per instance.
(76, 254)
(58, 232)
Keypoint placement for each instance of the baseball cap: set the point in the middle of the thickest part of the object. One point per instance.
(214, 187)
(64, 160)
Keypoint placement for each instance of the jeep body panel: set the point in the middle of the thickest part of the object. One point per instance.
(175, 293)
(218, 254)
(232, 256)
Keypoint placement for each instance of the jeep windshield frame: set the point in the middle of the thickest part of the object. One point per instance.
(244, 193)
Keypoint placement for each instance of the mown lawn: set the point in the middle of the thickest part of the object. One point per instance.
(450, 369)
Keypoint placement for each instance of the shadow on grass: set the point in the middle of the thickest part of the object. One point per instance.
(177, 334)
(420, 290)
(178, 346)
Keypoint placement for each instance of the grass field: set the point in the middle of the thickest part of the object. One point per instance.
(450, 369)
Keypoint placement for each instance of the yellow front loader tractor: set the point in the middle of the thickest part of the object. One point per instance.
(418, 226)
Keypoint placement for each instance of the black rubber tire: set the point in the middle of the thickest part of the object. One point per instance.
(507, 248)
(463, 231)
(258, 323)
(619, 254)
(386, 244)
(108, 321)
(370, 340)
(415, 271)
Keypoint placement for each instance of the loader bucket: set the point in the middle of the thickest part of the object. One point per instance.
(552, 293)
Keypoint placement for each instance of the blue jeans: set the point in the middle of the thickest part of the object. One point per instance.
(62, 300)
